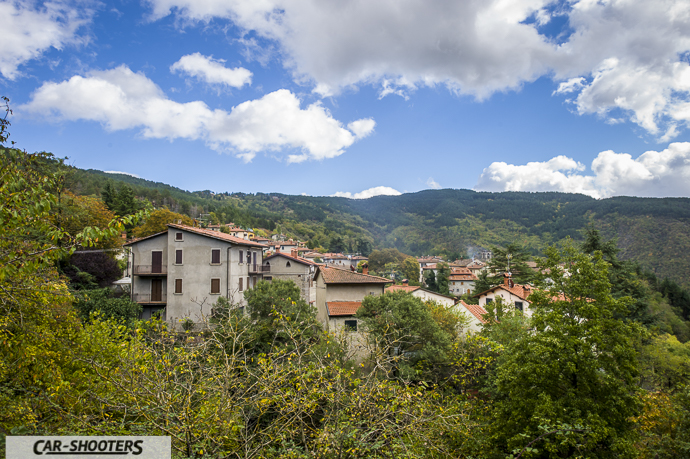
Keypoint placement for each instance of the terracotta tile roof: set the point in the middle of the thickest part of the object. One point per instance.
(342, 308)
(521, 291)
(135, 240)
(430, 266)
(476, 310)
(215, 235)
(462, 277)
(297, 259)
(403, 288)
(345, 276)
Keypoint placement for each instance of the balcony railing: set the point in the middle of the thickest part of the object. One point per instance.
(147, 298)
(258, 269)
(141, 270)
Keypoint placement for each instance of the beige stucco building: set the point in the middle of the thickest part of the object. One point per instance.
(339, 294)
(182, 272)
(297, 269)
(511, 293)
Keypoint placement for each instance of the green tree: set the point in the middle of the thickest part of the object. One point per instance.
(102, 302)
(278, 301)
(572, 378)
(430, 280)
(442, 279)
(403, 326)
(410, 268)
(158, 219)
(516, 257)
(379, 258)
(484, 282)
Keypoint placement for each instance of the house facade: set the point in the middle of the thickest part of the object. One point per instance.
(511, 293)
(339, 294)
(292, 267)
(461, 281)
(180, 273)
(423, 294)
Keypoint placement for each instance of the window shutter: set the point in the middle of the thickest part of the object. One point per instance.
(178, 236)
(241, 257)
(215, 285)
(241, 279)
(178, 285)
(178, 256)
(215, 256)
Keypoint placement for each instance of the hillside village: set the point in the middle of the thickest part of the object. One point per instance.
(236, 340)
(171, 272)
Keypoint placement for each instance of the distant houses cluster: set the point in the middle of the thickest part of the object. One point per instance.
(180, 273)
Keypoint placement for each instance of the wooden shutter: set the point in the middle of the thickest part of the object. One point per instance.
(241, 279)
(178, 256)
(156, 290)
(178, 285)
(215, 285)
(241, 257)
(178, 236)
(156, 262)
(215, 256)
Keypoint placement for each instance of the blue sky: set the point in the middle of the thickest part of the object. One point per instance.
(356, 97)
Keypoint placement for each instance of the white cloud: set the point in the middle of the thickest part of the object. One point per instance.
(123, 173)
(212, 71)
(28, 30)
(625, 59)
(653, 174)
(121, 99)
(473, 47)
(433, 184)
(369, 193)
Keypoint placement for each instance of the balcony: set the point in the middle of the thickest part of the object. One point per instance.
(149, 270)
(147, 298)
(259, 269)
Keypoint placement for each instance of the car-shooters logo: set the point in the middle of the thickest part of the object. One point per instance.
(88, 447)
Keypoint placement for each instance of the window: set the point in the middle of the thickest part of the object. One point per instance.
(241, 257)
(268, 278)
(287, 265)
(241, 287)
(351, 325)
(248, 282)
(179, 236)
(215, 286)
(489, 300)
(249, 257)
(215, 256)
(518, 305)
(178, 256)
(178, 286)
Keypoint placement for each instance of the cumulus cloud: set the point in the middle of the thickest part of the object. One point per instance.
(122, 99)
(653, 174)
(369, 193)
(433, 184)
(212, 71)
(29, 30)
(614, 58)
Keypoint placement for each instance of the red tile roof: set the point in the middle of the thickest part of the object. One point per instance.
(215, 235)
(297, 259)
(343, 308)
(403, 288)
(521, 291)
(345, 276)
(476, 310)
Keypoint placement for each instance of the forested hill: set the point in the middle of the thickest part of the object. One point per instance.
(655, 232)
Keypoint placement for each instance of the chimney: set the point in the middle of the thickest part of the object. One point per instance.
(506, 280)
(365, 268)
(294, 253)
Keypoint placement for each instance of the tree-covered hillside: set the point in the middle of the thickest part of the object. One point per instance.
(652, 231)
